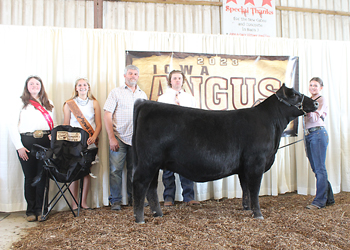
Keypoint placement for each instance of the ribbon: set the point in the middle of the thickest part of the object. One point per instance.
(43, 112)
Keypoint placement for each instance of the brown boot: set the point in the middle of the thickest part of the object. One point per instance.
(168, 203)
(31, 218)
(193, 202)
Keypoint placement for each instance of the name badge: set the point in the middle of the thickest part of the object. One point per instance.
(68, 136)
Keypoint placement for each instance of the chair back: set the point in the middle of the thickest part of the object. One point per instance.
(70, 153)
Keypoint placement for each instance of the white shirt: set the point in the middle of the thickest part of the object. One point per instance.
(87, 108)
(185, 99)
(25, 120)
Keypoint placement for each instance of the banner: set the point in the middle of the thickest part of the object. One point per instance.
(218, 82)
(249, 18)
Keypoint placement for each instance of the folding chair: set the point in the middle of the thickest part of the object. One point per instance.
(66, 161)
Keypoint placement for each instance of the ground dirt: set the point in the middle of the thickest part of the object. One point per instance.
(212, 225)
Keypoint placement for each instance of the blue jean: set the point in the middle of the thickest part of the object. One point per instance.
(116, 166)
(170, 187)
(316, 148)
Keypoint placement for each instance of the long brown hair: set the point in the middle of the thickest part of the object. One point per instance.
(26, 96)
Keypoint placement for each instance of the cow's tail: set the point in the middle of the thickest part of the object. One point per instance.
(137, 105)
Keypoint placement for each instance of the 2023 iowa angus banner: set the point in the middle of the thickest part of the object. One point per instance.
(218, 81)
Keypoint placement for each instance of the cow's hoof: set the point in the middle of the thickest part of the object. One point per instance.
(157, 215)
(260, 217)
(139, 219)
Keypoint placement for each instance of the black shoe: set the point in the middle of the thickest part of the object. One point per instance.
(330, 203)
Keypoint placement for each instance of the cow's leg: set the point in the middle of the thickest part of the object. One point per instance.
(246, 194)
(152, 197)
(142, 178)
(254, 182)
(139, 194)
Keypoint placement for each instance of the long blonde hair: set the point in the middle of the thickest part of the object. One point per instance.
(75, 92)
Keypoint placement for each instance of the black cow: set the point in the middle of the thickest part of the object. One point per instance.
(204, 145)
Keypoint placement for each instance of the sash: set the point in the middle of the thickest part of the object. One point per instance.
(80, 117)
(43, 112)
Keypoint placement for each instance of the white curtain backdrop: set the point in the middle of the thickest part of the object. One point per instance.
(60, 55)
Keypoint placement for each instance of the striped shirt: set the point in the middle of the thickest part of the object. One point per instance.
(120, 103)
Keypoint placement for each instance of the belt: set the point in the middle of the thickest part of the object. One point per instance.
(315, 129)
(37, 133)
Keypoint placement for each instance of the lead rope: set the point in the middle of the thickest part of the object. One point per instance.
(290, 144)
(298, 140)
(304, 135)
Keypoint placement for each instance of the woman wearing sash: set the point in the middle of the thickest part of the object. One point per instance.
(316, 141)
(86, 104)
(32, 125)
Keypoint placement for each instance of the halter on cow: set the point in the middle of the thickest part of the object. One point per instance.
(298, 105)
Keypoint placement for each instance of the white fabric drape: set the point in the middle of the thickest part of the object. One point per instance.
(60, 55)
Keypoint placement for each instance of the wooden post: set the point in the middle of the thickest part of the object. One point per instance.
(98, 14)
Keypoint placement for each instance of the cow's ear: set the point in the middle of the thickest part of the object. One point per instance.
(281, 94)
(284, 90)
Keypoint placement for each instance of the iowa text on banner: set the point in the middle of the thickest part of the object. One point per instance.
(218, 82)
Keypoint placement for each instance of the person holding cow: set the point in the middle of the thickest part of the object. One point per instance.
(118, 118)
(176, 95)
(316, 142)
(32, 122)
(83, 111)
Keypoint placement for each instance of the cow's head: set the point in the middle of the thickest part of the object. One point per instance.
(291, 97)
